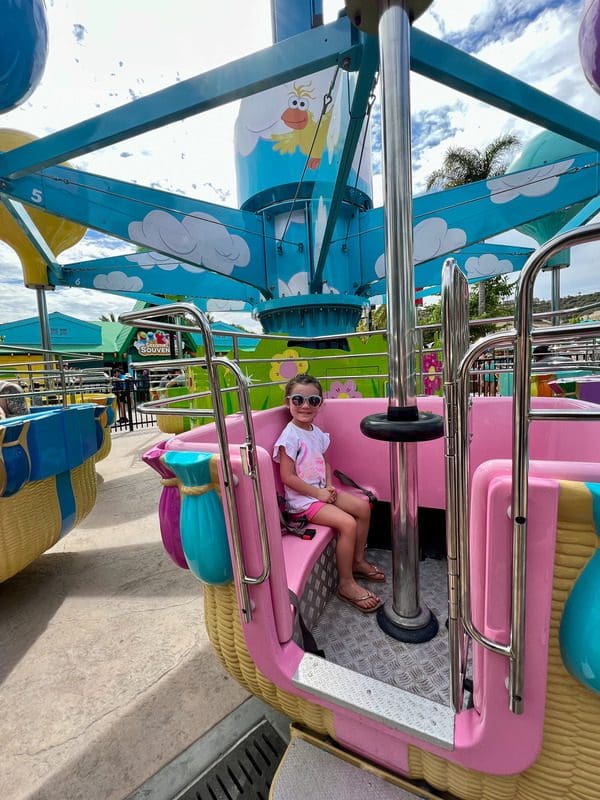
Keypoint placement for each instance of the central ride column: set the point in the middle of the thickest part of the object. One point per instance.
(407, 619)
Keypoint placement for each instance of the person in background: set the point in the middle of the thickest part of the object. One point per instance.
(12, 400)
(143, 386)
(119, 388)
(553, 362)
(543, 354)
(178, 379)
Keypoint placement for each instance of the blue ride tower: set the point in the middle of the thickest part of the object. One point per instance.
(297, 165)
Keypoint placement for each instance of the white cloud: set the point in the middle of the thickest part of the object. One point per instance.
(529, 183)
(152, 259)
(282, 220)
(198, 237)
(297, 284)
(117, 281)
(487, 265)
(225, 305)
(432, 237)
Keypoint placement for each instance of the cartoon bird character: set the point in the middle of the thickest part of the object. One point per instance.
(306, 132)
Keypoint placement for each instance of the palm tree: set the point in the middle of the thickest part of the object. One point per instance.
(109, 318)
(465, 166)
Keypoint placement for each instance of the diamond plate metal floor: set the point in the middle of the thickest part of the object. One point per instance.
(354, 640)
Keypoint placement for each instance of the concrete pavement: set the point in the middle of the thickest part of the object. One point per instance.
(106, 673)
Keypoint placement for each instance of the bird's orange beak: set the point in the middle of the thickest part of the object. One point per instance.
(295, 119)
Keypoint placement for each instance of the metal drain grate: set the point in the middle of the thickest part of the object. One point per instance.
(245, 771)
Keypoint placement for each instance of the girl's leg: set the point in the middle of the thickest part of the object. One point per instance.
(361, 511)
(346, 525)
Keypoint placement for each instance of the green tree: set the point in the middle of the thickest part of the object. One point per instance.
(461, 166)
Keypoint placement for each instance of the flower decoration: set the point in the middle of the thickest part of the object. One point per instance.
(432, 382)
(285, 370)
(338, 389)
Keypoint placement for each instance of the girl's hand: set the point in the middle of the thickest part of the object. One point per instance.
(332, 494)
(324, 495)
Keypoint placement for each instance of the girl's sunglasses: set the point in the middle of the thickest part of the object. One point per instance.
(313, 400)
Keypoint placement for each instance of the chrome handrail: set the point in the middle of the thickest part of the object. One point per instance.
(521, 411)
(462, 470)
(455, 306)
(140, 319)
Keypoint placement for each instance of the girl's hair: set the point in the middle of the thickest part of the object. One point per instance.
(304, 379)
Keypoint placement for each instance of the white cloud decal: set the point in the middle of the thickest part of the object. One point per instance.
(486, 265)
(534, 182)
(320, 225)
(432, 238)
(197, 237)
(118, 282)
(281, 221)
(297, 284)
(153, 259)
(225, 305)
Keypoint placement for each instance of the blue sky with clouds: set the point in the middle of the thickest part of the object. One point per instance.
(103, 55)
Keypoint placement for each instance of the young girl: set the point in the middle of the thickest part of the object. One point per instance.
(306, 475)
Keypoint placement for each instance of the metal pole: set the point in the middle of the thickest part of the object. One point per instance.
(394, 48)
(554, 269)
(40, 294)
(556, 294)
(179, 339)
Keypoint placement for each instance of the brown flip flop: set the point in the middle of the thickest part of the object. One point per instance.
(375, 575)
(354, 601)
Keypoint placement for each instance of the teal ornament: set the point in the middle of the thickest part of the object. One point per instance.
(579, 633)
(202, 522)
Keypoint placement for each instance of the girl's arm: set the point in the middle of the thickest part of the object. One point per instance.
(289, 478)
(328, 485)
(327, 472)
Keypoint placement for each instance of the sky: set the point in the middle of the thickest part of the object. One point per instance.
(102, 55)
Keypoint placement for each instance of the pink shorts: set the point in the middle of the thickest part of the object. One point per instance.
(310, 511)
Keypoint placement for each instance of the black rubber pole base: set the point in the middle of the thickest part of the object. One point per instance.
(408, 635)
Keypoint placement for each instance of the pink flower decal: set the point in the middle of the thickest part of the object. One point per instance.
(431, 382)
(346, 389)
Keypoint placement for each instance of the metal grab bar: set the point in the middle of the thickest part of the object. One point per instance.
(455, 306)
(462, 471)
(521, 410)
(140, 319)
